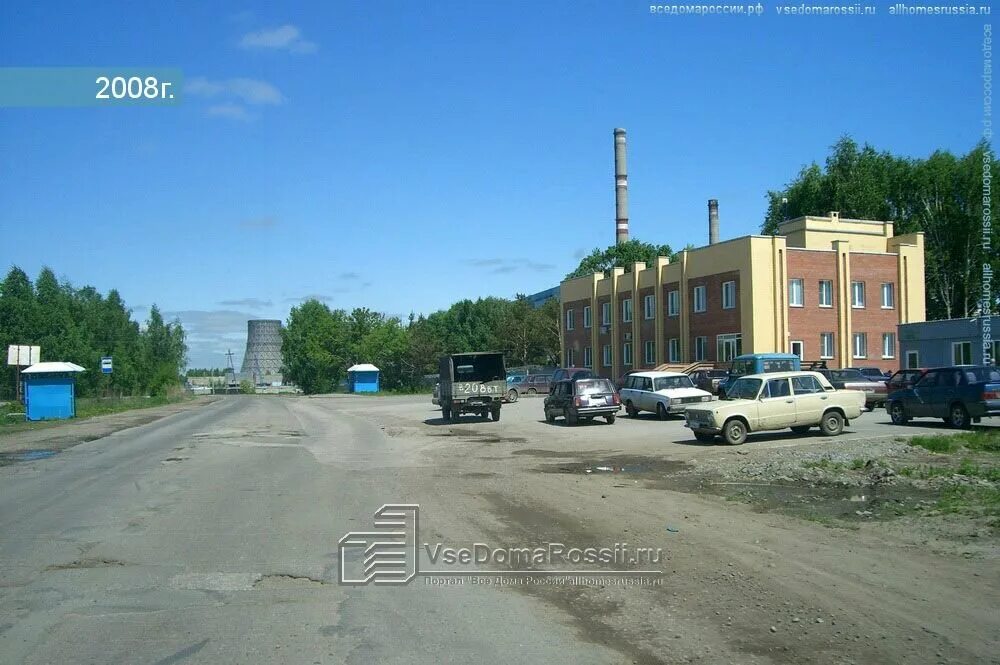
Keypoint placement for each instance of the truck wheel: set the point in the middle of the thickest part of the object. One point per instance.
(511, 395)
(495, 412)
(445, 413)
(570, 417)
(897, 413)
(734, 432)
(832, 423)
(610, 418)
(958, 417)
(661, 411)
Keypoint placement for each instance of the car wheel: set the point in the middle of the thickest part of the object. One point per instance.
(800, 429)
(832, 423)
(532, 391)
(661, 411)
(549, 418)
(734, 432)
(511, 395)
(897, 413)
(631, 410)
(959, 417)
(704, 437)
(610, 418)
(570, 417)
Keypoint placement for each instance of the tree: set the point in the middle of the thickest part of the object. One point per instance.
(622, 256)
(941, 195)
(314, 346)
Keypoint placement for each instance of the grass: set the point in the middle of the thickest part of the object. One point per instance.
(12, 414)
(962, 499)
(982, 441)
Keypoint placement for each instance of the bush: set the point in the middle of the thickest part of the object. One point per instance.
(247, 387)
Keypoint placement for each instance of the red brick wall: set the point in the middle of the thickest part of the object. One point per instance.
(647, 327)
(579, 337)
(714, 320)
(807, 322)
(873, 270)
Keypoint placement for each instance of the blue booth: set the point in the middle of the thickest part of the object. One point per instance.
(362, 378)
(50, 390)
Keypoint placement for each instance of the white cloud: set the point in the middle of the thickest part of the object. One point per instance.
(249, 91)
(283, 38)
(231, 111)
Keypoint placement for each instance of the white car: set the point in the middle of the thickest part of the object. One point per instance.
(663, 393)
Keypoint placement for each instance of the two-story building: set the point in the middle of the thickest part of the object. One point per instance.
(824, 288)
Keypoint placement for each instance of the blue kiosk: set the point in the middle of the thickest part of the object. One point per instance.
(363, 378)
(50, 390)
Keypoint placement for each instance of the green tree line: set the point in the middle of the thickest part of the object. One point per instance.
(941, 195)
(319, 343)
(82, 325)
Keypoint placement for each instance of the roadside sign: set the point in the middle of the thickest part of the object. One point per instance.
(106, 365)
(22, 355)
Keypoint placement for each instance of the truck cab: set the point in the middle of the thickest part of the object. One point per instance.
(471, 383)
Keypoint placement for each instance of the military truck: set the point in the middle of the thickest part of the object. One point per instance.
(471, 383)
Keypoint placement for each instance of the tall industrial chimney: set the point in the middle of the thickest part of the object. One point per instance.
(713, 221)
(621, 189)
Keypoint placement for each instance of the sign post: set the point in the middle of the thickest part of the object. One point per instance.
(22, 355)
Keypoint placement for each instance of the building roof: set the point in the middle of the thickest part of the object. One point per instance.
(52, 368)
(364, 367)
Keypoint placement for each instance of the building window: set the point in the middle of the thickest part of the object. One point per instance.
(586, 316)
(728, 346)
(826, 293)
(588, 357)
(649, 348)
(570, 320)
(700, 348)
(795, 297)
(858, 295)
(606, 355)
(728, 295)
(888, 296)
(627, 354)
(649, 307)
(888, 345)
(605, 314)
(860, 345)
(673, 303)
(674, 350)
(627, 310)
(826, 345)
(912, 359)
(570, 357)
(700, 304)
(796, 348)
(961, 353)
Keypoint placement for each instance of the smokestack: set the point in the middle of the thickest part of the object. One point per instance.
(713, 221)
(621, 189)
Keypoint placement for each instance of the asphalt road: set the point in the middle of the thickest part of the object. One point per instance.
(211, 536)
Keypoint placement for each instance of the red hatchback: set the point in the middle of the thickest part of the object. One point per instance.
(904, 378)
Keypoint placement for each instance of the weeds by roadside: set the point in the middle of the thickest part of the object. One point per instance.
(982, 440)
(12, 414)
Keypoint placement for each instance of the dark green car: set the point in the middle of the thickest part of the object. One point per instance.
(585, 399)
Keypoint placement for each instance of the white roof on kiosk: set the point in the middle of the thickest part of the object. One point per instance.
(365, 367)
(52, 368)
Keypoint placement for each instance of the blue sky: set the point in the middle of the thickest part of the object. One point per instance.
(402, 156)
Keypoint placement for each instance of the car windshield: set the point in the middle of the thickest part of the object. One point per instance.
(593, 387)
(515, 379)
(671, 382)
(744, 389)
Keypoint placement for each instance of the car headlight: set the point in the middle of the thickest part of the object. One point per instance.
(706, 398)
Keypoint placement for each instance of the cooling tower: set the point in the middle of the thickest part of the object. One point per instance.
(263, 354)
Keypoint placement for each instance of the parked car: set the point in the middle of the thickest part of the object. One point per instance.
(852, 379)
(620, 383)
(532, 384)
(663, 393)
(564, 373)
(959, 395)
(760, 402)
(513, 386)
(708, 379)
(904, 378)
(874, 373)
(759, 363)
(586, 398)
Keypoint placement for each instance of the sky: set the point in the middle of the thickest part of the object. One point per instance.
(403, 156)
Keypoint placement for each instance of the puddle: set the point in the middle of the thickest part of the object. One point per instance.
(617, 465)
(25, 456)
